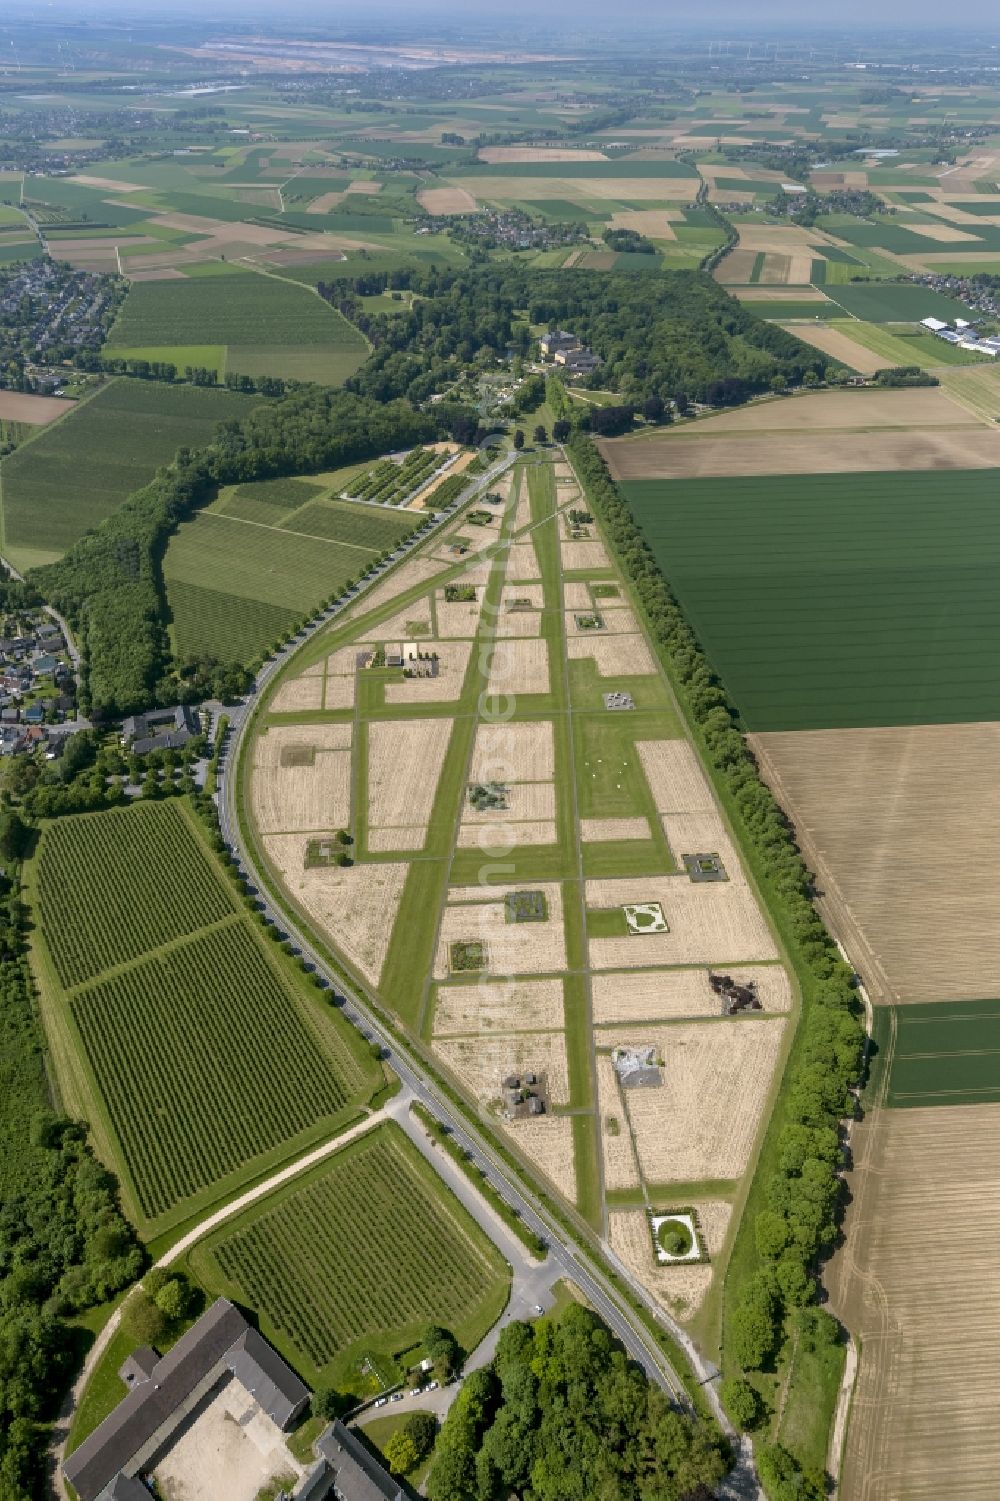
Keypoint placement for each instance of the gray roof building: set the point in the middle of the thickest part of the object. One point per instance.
(354, 1473)
(216, 1349)
(160, 729)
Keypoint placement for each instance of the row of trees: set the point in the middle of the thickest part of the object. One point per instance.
(799, 1202)
(561, 1414)
(109, 585)
(195, 375)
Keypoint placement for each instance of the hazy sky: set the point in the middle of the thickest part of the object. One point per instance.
(740, 16)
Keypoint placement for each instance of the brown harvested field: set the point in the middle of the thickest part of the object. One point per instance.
(652, 222)
(583, 555)
(457, 620)
(503, 1006)
(830, 453)
(302, 778)
(702, 834)
(163, 273)
(775, 294)
(528, 801)
(576, 596)
(496, 154)
(703, 1120)
(479, 913)
(110, 184)
(831, 341)
(736, 268)
(413, 620)
(883, 815)
(597, 829)
(522, 561)
(776, 270)
(36, 410)
(355, 907)
(921, 1424)
(614, 656)
(621, 1170)
(400, 581)
(519, 623)
(405, 757)
(497, 840)
(680, 1289)
(324, 203)
(361, 186)
(453, 662)
(948, 233)
(670, 994)
(548, 1143)
(675, 777)
(618, 619)
(511, 189)
(446, 201)
(710, 923)
(513, 751)
(294, 694)
(482, 1063)
(519, 666)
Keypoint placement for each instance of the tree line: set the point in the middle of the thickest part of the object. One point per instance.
(801, 1197)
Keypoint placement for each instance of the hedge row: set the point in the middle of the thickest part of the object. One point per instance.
(804, 1192)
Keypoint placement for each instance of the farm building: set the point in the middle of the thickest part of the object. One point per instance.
(219, 1349)
(347, 1470)
(161, 729)
(637, 1068)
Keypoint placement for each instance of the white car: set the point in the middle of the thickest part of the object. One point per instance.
(538, 1308)
(381, 1401)
(431, 1386)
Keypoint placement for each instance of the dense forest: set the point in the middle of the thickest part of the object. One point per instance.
(562, 1414)
(109, 585)
(64, 1245)
(680, 335)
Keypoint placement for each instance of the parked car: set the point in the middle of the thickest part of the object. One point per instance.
(396, 1397)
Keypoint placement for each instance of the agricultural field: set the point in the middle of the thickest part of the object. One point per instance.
(129, 980)
(927, 1325)
(280, 547)
(80, 468)
(867, 801)
(334, 1288)
(266, 326)
(481, 870)
(872, 599)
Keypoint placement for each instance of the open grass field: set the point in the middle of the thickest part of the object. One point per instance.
(267, 326)
(332, 1285)
(81, 468)
(898, 822)
(928, 1320)
(145, 982)
(274, 570)
(863, 601)
(892, 302)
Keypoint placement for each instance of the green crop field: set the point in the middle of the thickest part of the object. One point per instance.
(896, 302)
(332, 1285)
(81, 468)
(944, 1053)
(268, 326)
(839, 600)
(101, 888)
(160, 1036)
(620, 166)
(150, 983)
(274, 571)
(786, 311)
